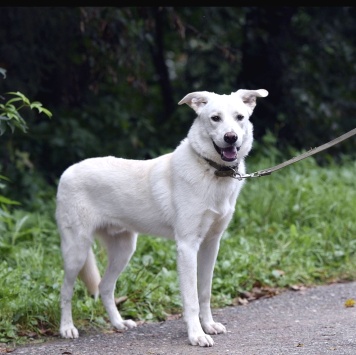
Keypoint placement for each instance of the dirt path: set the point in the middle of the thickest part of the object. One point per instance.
(314, 322)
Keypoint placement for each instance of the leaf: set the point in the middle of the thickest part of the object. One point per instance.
(121, 299)
(3, 72)
(277, 273)
(297, 287)
(239, 301)
(22, 96)
(174, 316)
(40, 108)
(15, 99)
(7, 201)
(350, 303)
(12, 127)
(3, 127)
(46, 112)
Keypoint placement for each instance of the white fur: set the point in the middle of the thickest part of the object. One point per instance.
(176, 195)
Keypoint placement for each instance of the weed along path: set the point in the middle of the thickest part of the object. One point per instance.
(314, 321)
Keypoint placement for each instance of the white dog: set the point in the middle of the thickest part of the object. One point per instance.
(188, 195)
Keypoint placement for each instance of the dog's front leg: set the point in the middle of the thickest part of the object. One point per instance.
(206, 260)
(187, 252)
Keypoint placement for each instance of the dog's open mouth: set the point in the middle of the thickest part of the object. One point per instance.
(228, 153)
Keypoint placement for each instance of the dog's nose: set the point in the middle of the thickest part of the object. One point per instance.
(230, 137)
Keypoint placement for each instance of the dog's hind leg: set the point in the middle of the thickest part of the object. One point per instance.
(75, 251)
(120, 248)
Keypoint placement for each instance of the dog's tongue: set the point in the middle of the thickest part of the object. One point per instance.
(228, 153)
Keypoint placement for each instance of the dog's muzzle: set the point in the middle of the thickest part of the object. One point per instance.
(227, 154)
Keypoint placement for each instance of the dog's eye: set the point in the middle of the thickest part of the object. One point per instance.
(216, 118)
(240, 117)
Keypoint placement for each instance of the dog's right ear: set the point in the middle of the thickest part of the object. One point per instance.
(196, 100)
(249, 96)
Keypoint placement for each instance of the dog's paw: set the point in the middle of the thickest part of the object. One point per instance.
(214, 328)
(204, 340)
(69, 332)
(124, 324)
(129, 323)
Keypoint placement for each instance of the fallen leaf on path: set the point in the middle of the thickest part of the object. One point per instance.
(256, 293)
(174, 316)
(28, 334)
(350, 302)
(240, 301)
(297, 288)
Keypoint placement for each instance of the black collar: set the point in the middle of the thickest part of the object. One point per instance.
(223, 170)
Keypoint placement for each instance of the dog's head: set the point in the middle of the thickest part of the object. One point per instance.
(222, 125)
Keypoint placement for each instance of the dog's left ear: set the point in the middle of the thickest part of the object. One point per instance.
(249, 96)
(196, 100)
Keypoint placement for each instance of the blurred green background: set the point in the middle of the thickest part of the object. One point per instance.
(112, 77)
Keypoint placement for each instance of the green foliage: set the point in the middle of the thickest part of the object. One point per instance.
(151, 282)
(296, 226)
(10, 115)
(4, 200)
(114, 76)
(15, 230)
(29, 285)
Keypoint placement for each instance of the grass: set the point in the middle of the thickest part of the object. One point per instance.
(296, 226)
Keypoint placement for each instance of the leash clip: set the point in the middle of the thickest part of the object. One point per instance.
(261, 173)
(238, 176)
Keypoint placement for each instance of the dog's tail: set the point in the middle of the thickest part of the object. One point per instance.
(90, 275)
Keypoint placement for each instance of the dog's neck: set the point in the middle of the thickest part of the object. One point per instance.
(220, 170)
(223, 170)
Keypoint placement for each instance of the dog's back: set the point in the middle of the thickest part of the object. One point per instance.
(116, 193)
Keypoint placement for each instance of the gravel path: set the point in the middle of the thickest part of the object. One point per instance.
(314, 322)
